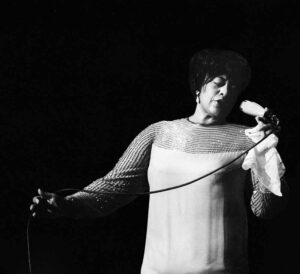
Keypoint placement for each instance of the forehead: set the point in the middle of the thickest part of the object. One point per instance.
(223, 78)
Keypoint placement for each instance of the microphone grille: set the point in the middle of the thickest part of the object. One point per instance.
(252, 108)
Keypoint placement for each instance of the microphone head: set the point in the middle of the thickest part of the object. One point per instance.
(252, 108)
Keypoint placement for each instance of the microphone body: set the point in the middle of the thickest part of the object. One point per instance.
(252, 108)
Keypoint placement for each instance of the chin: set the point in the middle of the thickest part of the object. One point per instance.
(216, 113)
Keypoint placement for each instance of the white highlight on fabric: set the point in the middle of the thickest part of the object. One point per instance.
(265, 161)
(195, 229)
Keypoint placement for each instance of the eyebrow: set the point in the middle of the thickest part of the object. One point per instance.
(223, 78)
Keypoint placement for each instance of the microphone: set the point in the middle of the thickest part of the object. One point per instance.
(254, 109)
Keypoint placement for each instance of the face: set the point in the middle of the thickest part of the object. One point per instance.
(217, 97)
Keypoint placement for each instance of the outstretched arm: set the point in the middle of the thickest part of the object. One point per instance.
(101, 197)
(128, 176)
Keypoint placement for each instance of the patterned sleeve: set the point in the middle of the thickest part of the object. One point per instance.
(128, 176)
(264, 204)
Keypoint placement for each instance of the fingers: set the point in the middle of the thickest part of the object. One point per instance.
(42, 212)
(277, 131)
(260, 127)
(43, 205)
(264, 125)
(38, 200)
(268, 118)
(46, 195)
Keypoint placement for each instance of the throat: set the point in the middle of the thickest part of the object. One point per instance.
(205, 121)
(204, 118)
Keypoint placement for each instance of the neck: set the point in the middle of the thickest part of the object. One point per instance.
(203, 118)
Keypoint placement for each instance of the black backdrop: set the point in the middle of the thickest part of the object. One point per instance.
(79, 81)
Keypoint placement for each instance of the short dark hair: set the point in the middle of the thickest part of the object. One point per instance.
(207, 64)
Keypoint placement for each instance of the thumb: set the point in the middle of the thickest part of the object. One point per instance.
(258, 127)
(45, 195)
(260, 119)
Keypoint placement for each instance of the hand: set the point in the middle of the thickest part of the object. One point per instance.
(268, 123)
(50, 205)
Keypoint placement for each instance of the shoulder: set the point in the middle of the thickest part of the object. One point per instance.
(155, 127)
(181, 127)
(183, 124)
(163, 125)
(169, 126)
(235, 128)
(149, 133)
(184, 135)
(160, 128)
(237, 132)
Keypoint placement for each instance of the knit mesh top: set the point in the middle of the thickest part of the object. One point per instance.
(200, 228)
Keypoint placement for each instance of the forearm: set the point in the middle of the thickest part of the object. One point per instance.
(107, 194)
(114, 190)
(90, 206)
(83, 207)
(265, 204)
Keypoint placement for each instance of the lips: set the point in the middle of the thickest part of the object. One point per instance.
(219, 101)
(218, 98)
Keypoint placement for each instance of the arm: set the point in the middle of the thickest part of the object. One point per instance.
(264, 204)
(267, 182)
(128, 176)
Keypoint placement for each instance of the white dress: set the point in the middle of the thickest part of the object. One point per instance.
(202, 227)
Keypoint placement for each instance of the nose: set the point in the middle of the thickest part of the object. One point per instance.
(224, 90)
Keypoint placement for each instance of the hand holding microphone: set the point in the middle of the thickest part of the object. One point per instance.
(264, 114)
(266, 120)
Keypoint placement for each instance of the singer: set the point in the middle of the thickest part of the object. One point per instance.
(200, 228)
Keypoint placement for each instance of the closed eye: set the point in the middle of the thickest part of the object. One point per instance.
(219, 83)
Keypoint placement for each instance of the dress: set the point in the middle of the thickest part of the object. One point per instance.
(197, 229)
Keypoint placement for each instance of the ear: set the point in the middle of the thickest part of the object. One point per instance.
(197, 96)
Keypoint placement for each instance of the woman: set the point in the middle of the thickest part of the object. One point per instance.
(200, 228)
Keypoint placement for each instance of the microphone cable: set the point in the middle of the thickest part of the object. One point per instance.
(148, 192)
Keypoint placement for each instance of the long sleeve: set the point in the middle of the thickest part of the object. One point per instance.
(128, 176)
(269, 188)
(265, 204)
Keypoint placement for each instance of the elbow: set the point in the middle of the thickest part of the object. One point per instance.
(264, 214)
(275, 206)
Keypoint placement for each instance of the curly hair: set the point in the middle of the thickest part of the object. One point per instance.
(207, 64)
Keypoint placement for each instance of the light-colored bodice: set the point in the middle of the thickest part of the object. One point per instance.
(200, 228)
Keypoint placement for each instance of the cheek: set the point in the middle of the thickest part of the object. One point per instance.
(205, 98)
(208, 93)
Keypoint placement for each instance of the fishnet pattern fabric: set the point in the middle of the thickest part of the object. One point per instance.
(130, 173)
(263, 203)
(188, 137)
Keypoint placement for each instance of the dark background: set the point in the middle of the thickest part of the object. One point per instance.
(79, 81)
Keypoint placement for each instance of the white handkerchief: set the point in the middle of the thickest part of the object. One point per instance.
(265, 161)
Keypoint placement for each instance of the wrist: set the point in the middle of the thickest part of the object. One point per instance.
(71, 206)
